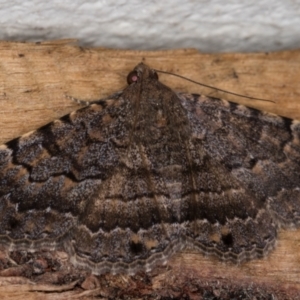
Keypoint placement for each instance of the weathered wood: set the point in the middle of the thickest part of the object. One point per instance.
(34, 79)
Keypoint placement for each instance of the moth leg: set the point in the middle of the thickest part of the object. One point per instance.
(10, 260)
(86, 103)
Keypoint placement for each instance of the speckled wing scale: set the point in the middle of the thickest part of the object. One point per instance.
(122, 184)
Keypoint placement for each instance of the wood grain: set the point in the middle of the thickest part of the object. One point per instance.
(34, 82)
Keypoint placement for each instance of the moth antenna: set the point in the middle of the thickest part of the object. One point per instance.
(212, 87)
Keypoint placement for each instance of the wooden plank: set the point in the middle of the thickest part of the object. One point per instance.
(34, 82)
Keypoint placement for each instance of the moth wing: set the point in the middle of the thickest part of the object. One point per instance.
(260, 149)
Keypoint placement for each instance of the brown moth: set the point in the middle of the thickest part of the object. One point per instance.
(123, 183)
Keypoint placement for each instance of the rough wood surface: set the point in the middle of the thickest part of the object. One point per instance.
(34, 79)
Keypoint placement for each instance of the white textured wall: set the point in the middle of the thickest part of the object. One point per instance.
(215, 25)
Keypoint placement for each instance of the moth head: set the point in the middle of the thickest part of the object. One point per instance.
(141, 71)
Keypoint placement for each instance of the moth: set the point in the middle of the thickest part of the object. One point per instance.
(123, 183)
